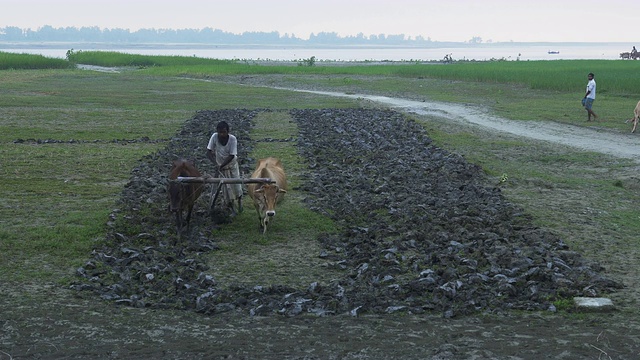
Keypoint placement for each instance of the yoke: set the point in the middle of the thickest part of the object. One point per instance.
(221, 182)
(212, 180)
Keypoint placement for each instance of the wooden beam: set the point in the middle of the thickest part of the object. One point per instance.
(211, 180)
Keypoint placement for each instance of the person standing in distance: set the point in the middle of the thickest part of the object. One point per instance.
(590, 96)
(222, 150)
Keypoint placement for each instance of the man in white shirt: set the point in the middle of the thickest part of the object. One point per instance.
(590, 96)
(222, 150)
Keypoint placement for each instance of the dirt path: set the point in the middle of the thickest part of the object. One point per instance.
(588, 139)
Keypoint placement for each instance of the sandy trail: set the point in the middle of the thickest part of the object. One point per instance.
(589, 139)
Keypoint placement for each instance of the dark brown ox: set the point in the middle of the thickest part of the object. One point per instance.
(266, 196)
(183, 196)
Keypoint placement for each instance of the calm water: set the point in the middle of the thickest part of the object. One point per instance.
(483, 52)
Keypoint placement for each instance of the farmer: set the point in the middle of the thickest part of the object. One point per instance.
(222, 150)
(589, 97)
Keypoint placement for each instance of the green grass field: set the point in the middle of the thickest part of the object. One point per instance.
(11, 61)
(56, 197)
(619, 78)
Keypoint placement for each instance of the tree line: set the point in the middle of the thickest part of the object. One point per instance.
(194, 36)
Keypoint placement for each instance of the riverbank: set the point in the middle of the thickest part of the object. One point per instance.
(435, 52)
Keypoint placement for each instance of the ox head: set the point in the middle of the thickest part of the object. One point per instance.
(266, 197)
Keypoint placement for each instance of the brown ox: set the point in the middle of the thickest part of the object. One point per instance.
(636, 117)
(182, 196)
(266, 196)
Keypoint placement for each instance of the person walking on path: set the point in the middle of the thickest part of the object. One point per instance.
(589, 97)
(222, 150)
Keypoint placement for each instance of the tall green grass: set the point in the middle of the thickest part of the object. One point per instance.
(113, 59)
(614, 77)
(619, 78)
(29, 61)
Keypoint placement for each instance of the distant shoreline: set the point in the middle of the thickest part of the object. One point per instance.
(432, 45)
(437, 51)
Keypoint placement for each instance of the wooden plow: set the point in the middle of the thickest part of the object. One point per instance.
(221, 182)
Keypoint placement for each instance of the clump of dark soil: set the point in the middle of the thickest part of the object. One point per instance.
(420, 230)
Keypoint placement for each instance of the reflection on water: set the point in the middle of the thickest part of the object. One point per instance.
(484, 52)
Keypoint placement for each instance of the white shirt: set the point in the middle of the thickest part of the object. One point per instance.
(591, 86)
(223, 151)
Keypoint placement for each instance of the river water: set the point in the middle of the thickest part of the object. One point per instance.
(482, 52)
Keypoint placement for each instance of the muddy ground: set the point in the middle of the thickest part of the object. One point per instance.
(445, 270)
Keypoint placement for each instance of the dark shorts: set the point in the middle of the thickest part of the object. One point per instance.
(588, 104)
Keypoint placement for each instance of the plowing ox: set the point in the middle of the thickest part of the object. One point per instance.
(266, 195)
(182, 196)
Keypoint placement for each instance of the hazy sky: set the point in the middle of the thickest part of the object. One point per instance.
(440, 20)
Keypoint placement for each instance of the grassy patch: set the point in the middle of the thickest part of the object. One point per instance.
(12, 61)
(248, 256)
(616, 77)
(56, 198)
(118, 59)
